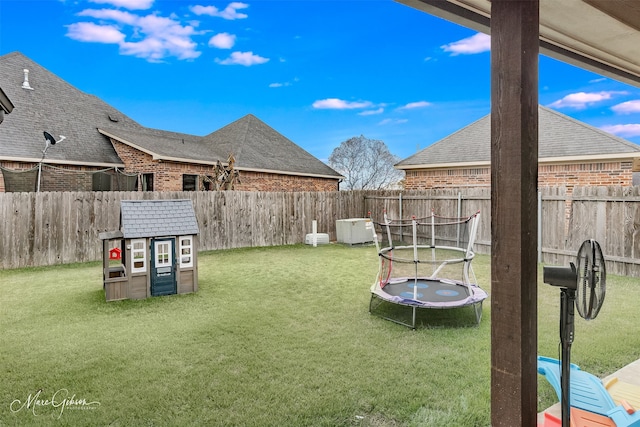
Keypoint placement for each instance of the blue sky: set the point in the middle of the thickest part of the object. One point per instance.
(319, 72)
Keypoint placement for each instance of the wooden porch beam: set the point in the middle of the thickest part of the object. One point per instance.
(514, 173)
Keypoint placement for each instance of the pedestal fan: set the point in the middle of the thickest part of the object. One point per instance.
(582, 285)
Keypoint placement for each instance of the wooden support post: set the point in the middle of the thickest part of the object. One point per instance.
(514, 172)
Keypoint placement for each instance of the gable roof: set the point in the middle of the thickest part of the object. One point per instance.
(165, 145)
(156, 218)
(258, 147)
(54, 106)
(255, 145)
(561, 138)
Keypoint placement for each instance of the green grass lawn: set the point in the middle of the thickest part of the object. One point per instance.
(274, 337)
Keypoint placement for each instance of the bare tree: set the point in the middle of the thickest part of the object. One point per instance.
(366, 164)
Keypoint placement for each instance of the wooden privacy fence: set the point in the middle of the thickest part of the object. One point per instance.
(39, 229)
(49, 228)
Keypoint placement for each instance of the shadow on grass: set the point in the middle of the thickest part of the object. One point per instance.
(459, 317)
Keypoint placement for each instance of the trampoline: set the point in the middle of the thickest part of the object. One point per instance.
(425, 263)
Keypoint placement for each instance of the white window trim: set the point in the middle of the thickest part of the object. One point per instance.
(142, 269)
(190, 246)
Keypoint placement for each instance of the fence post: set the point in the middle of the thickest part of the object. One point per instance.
(459, 216)
(539, 226)
(400, 215)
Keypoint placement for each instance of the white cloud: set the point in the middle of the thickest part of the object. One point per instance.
(627, 130)
(339, 104)
(90, 32)
(111, 15)
(127, 4)
(290, 83)
(627, 107)
(151, 37)
(243, 58)
(372, 112)
(392, 122)
(581, 100)
(413, 105)
(477, 43)
(230, 12)
(223, 41)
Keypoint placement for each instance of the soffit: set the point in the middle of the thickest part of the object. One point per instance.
(602, 36)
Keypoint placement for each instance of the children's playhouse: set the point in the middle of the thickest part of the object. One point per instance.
(155, 251)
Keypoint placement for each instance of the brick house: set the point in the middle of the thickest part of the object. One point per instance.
(570, 153)
(105, 150)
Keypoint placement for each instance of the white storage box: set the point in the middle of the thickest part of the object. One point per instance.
(353, 231)
(321, 239)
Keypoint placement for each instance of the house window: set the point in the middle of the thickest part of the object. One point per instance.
(189, 182)
(147, 182)
(186, 251)
(139, 256)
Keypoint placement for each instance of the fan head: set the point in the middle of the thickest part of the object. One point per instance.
(592, 279)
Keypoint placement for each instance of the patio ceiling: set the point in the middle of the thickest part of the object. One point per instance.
(602, 36)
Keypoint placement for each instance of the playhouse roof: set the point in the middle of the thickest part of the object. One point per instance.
(155, 218)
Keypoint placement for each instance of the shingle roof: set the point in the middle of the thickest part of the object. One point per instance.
(166, 145)
(58, 108)
(559, 136)
(257, 146)
(254, 144)
(155, 218)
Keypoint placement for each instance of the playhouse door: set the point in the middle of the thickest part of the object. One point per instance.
(163, 273)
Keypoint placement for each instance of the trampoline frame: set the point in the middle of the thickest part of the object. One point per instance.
(475, 294)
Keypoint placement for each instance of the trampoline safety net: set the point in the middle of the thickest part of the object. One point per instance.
(425, 263)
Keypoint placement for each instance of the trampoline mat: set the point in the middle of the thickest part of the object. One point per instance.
(428, 290)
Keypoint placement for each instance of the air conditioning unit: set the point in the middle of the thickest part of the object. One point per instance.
(353, 231)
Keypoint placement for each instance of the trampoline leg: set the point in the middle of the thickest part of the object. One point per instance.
(478, 309)
(413, 318)
(371, 307)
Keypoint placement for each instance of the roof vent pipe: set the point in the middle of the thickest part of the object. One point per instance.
(25, 84)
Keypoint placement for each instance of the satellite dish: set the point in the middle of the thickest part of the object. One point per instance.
(582, 286)
(49, 138)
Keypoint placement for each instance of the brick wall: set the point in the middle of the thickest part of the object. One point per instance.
(53, 177)
(261, 181)
(21, 179)
(549, 175)
(168, 175)
(443, 178)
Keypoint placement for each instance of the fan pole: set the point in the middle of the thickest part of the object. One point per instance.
(567, 305)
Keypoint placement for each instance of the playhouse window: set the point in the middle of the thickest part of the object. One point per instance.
(186, 251)
(139, 256)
